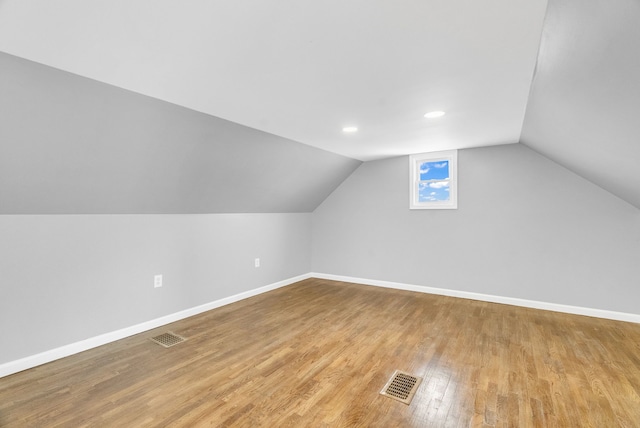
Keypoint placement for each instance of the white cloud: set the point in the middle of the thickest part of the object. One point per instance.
(438, 184)
(432, 193)
(440, 165)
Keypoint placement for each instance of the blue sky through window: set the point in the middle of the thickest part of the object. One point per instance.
(434, 170)
(434, 181)
(428, 193)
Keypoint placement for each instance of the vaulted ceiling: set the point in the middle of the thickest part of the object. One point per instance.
(561, 78)
(585, 99)
(303, 70)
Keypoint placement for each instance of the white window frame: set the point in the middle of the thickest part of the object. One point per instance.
(414, 161)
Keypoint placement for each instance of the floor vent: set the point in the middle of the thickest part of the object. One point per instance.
(168, 339)
(402, 387)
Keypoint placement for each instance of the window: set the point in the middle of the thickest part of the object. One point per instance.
(434, 180)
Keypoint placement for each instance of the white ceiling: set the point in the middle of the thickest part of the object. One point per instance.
(304, 69)
(585, 100)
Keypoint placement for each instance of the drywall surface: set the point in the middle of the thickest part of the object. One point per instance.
(585, 97)
(525, 227)
(299, 69)
(71, 145)
(66, 278)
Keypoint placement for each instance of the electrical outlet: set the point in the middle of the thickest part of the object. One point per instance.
(157, 281)
(256, 262)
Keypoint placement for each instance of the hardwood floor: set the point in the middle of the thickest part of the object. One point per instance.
(317, 353)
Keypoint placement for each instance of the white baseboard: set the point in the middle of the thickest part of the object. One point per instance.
(93, 342)
(577, 310)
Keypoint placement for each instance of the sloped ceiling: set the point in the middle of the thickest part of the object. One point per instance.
(584, 107)
(71, 145)
(304, 69)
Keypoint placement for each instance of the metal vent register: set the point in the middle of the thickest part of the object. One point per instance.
(402, 387)
(168, 339)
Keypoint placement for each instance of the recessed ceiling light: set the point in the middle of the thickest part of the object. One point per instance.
(350, 129)
(434, 114)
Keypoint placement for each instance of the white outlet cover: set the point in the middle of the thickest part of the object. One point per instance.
(157, 281)
(257, 262)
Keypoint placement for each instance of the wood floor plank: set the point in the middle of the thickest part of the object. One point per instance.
(317, 353)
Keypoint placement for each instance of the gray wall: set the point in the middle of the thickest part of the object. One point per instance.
(525, 228)
(585, 97)
(192, 193)
(65, 278)
(71, 145)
